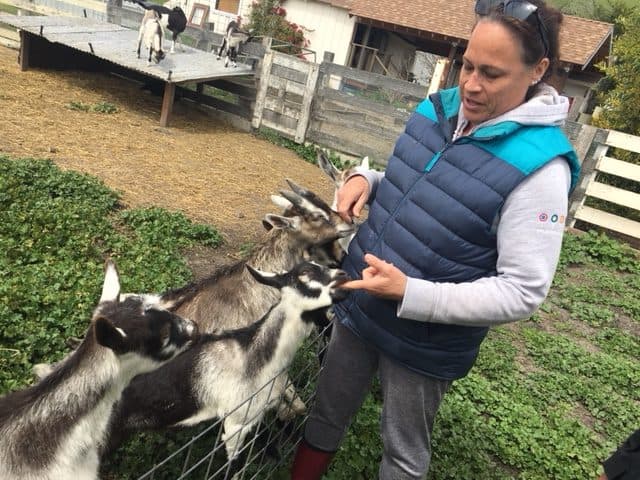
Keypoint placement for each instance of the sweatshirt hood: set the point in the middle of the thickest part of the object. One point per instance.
(545, 108)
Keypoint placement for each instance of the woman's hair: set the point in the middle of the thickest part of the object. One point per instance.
(530, 33)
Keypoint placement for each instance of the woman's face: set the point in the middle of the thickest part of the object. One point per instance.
(494, 78)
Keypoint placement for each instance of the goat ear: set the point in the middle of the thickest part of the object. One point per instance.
(278, 221)
(365, 163)
(266, 278)
(108, 335)
(111, 284)
(327, 167)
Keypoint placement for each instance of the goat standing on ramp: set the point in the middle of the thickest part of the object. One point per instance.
(54, 430)
(233, 38)
(171, 17)
(231, 374)
(151, 34)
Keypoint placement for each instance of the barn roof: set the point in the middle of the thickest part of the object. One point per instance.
(581, 39)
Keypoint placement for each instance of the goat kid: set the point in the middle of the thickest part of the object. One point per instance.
(151, 34)
(230, 374)
(171, 16)
(233, 38)
(54, 430)
(338, 177)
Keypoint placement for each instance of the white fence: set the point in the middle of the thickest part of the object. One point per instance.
(597, 186)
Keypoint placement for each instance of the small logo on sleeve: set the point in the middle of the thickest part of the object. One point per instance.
(553, 218)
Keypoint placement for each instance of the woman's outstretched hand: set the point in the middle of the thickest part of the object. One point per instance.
(352, 197)
(380, 278)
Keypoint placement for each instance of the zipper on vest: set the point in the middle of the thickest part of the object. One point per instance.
(433, 160)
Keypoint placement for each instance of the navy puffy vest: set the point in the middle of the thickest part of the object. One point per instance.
(433, 217)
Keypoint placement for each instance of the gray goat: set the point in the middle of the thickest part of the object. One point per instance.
(233, 374)
(54, 430)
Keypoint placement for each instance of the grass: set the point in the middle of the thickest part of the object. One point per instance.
(550, 397)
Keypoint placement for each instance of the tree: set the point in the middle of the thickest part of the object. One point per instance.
(268, 18)
(620, 92)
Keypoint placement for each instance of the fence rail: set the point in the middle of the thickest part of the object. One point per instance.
(600, 186)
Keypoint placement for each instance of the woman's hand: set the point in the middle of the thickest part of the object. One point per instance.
(380, 278)
(352, 197)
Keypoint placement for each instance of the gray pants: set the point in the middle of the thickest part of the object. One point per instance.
(410, 403)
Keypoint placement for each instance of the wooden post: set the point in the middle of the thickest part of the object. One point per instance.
(25, 44)
(305, 110)
(167, 103)
(261, 96)
(447, 68)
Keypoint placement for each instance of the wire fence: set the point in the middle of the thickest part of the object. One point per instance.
(264, 449)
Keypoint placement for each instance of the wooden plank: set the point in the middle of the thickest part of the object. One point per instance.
(624, 141)
(262, 90)
(376, 80)
(305, 112)
(614, 195)
(609, 221)
(361, 104)
(619, 168)
(289, 74)
(291, 62)
(284, 84)
(282, 108)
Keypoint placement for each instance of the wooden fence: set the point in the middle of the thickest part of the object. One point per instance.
(358, 113)
(599, 182)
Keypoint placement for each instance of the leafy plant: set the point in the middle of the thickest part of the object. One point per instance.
(268, 18)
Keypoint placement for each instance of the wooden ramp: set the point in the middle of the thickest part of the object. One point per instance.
(40, 36)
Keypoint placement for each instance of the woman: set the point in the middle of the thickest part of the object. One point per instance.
(464, 232)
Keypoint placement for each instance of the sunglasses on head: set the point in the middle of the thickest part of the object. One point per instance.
(518, 9)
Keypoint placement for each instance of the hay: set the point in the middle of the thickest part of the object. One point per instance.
(199, 165)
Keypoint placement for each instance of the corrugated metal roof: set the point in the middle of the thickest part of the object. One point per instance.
(580, 38)
(118, 45)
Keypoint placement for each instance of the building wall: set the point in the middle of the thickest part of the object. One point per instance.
(329, 29)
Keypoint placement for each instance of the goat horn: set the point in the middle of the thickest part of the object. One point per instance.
(309, 195)
(293, 197)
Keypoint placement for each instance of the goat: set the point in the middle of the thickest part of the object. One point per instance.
(233, 38)
(55, 429)
(231, 297)
(171, 17)
(235, 373)
(151, 34)
(338, 177)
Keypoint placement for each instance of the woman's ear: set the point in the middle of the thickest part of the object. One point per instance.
(540, 69)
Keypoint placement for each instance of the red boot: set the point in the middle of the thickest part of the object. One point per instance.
(310, 463)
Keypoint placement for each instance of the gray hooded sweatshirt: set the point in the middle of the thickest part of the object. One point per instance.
(529, 237)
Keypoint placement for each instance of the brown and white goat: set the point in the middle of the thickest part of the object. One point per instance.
(151, 34)
(55, 429)
(236, 374)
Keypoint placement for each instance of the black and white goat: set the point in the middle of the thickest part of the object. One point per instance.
(55, 429)
(150, 34)
(231, 374)
(233, 38)
(171, 16)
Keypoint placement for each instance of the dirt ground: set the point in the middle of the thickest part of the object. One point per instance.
(199, 165)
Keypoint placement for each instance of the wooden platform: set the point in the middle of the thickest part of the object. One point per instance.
(40, 36)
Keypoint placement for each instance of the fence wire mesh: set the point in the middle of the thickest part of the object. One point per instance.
(266, 448)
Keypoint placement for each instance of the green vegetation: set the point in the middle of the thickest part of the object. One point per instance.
(56, 229)
(549, 397)
(100, 107)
